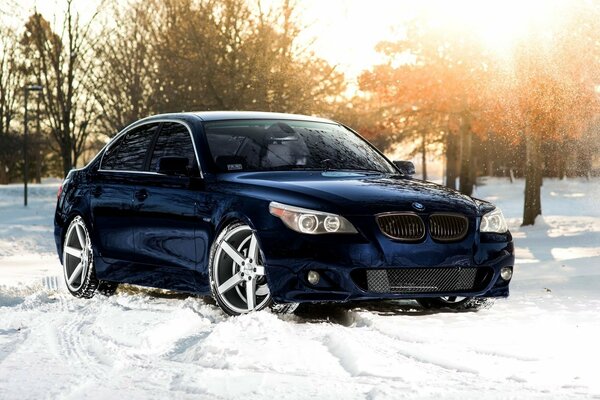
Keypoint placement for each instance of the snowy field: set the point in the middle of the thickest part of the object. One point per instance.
(542, 342)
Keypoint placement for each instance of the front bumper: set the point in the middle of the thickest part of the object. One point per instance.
(340, 259)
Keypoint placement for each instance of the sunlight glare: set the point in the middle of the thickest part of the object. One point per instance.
(498, 24)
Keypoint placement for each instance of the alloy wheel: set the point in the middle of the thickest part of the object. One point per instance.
(452, 299)
(77, 255)
(238, 271)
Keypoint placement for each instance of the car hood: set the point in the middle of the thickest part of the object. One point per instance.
(353, 193)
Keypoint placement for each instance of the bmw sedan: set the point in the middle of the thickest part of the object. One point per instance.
(272, 210)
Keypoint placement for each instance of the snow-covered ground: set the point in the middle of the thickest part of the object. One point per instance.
(540, 343)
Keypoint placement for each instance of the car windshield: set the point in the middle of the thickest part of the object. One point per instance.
(271, 145)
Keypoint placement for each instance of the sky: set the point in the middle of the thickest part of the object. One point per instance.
(345, 32)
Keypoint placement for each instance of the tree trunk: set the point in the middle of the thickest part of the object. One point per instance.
(424, 154)
(37, 144)
(38, 163)
(452, 159)
(67, 159)
(467, 169)
(533, 179)
(3, 175)
(562, 168)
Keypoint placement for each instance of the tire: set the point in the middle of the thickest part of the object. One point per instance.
(286, 308)
(456, 303)
(237, 272)
(107, 289)
(78, 260)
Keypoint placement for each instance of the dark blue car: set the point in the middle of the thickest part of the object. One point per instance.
(263, 209)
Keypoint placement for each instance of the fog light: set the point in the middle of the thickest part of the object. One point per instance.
(506, 273)
(313, 277)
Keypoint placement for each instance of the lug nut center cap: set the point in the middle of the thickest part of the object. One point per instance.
(248, 268)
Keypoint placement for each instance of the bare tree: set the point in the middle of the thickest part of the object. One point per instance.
(125, 76)
(10, 85)
(225, 55)
(62, 63)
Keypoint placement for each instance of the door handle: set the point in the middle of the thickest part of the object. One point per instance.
(97, 191)
(141, 195)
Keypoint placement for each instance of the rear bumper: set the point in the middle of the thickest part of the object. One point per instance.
(58, 237)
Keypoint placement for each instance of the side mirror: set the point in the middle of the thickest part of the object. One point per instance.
(174, 166)
(406, 167)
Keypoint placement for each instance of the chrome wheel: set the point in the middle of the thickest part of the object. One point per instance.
(456, 303)
(78, 260)
(452, 299)
(238, 276)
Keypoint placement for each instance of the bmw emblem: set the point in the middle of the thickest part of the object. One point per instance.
(418, 206)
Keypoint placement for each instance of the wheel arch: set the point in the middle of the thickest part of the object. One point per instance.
(78, 208)
(231, 217)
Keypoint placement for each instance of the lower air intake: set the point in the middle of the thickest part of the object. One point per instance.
(423, 280)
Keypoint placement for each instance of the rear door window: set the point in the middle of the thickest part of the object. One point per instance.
(129, 153)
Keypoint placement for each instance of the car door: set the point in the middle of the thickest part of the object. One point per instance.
(168, 230)
(111, 200)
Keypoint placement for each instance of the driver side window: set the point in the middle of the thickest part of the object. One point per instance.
(174, 140)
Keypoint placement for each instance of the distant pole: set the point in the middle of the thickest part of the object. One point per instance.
(38, 135)
(25, 157)
(27, 89)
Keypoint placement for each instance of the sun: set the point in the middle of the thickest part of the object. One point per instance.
(498, 24)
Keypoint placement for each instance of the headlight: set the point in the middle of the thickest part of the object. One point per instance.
(309, 221)
(494, 222)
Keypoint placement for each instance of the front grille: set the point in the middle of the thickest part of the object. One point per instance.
(402, 226)
(448, 227)
(423, 280)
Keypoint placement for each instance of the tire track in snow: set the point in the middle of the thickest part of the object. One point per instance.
(476, 350)
(78, 345)
(10, 340)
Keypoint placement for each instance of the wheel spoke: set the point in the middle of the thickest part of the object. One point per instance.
(260, 270)
(231, 252)
(251, 294)
(253, 249)
(230, 283)
(73, 252)
(80, 235)
(76, 273)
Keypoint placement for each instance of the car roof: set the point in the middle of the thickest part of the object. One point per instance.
(233, 115)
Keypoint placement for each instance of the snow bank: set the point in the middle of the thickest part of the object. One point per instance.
(540, 343)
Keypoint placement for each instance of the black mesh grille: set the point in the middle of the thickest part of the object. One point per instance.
(423, 280)
(408, 227)
(448, 227)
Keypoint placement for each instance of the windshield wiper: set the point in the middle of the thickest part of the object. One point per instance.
(326, 163)
(291, 168)
(324, 169)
